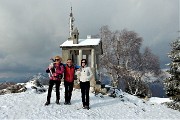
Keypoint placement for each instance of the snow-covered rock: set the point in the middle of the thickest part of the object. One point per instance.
(35, 86)
(15, 88)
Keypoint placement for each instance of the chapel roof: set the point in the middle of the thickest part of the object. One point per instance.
(82, 42)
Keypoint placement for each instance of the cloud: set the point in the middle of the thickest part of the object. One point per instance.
(30, 35)
(32, 30)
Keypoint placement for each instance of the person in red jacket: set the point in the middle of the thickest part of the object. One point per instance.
(69, 74)
(55, 71)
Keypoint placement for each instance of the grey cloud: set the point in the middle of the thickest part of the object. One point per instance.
(32, 30)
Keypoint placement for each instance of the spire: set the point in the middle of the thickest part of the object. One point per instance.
(71, 23)
(71, 15)
(178, 34)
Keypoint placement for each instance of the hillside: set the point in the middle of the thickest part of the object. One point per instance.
(30, 105)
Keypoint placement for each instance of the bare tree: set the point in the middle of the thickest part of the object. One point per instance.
(121, 51)
(122, 58)
(150, 62)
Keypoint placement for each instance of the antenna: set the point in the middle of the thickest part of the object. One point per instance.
(71, 23)
(71, 4)
(71, 7)
(178, 34)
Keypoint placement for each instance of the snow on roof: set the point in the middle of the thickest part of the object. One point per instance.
(81, 42)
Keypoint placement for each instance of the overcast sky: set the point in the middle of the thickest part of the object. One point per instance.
(32, 30)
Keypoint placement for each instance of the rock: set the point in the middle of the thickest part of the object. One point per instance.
(36, 83)
(97, 88)
(5, 85)
(16, 88)
(2, 92)
(103, 91)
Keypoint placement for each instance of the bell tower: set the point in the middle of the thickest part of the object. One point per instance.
(75, 36)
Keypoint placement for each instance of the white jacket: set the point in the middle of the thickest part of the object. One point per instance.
(85, 74)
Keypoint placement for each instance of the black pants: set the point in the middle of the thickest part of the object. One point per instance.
(85, 86)
(68, 90)
(51, 84)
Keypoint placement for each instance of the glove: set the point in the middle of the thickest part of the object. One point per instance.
(47, 70)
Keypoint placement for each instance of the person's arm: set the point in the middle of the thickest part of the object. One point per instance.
(78, 73)
(51, 66)
(64, 64)
(62, 68)
(90, 73)
(77, 67)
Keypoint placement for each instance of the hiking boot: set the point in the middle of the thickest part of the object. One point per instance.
(87, 107)
(65, 103)
(47, 103)
(69, 103)
(57, 102)
(84, 107)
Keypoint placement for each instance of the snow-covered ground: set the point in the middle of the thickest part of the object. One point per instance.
(30, 105)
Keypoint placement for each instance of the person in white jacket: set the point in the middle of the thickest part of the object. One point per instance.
(84, 78)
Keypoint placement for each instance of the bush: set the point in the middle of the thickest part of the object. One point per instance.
(174, 105)
(137, 88)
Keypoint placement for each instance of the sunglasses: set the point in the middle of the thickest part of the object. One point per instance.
(83, 62)
(56, 59)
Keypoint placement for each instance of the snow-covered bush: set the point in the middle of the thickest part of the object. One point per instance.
(137, 87)
(174, 105)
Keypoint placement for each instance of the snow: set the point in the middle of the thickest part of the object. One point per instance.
(82, 42)
(30, 105)
(159, 100)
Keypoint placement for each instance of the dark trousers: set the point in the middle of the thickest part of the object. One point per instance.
(51, 84)
(85, 86)
(68, 90)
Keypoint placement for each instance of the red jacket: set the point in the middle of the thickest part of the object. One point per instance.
(69, 73)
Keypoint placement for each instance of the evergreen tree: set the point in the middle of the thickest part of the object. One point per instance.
(172, 84)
